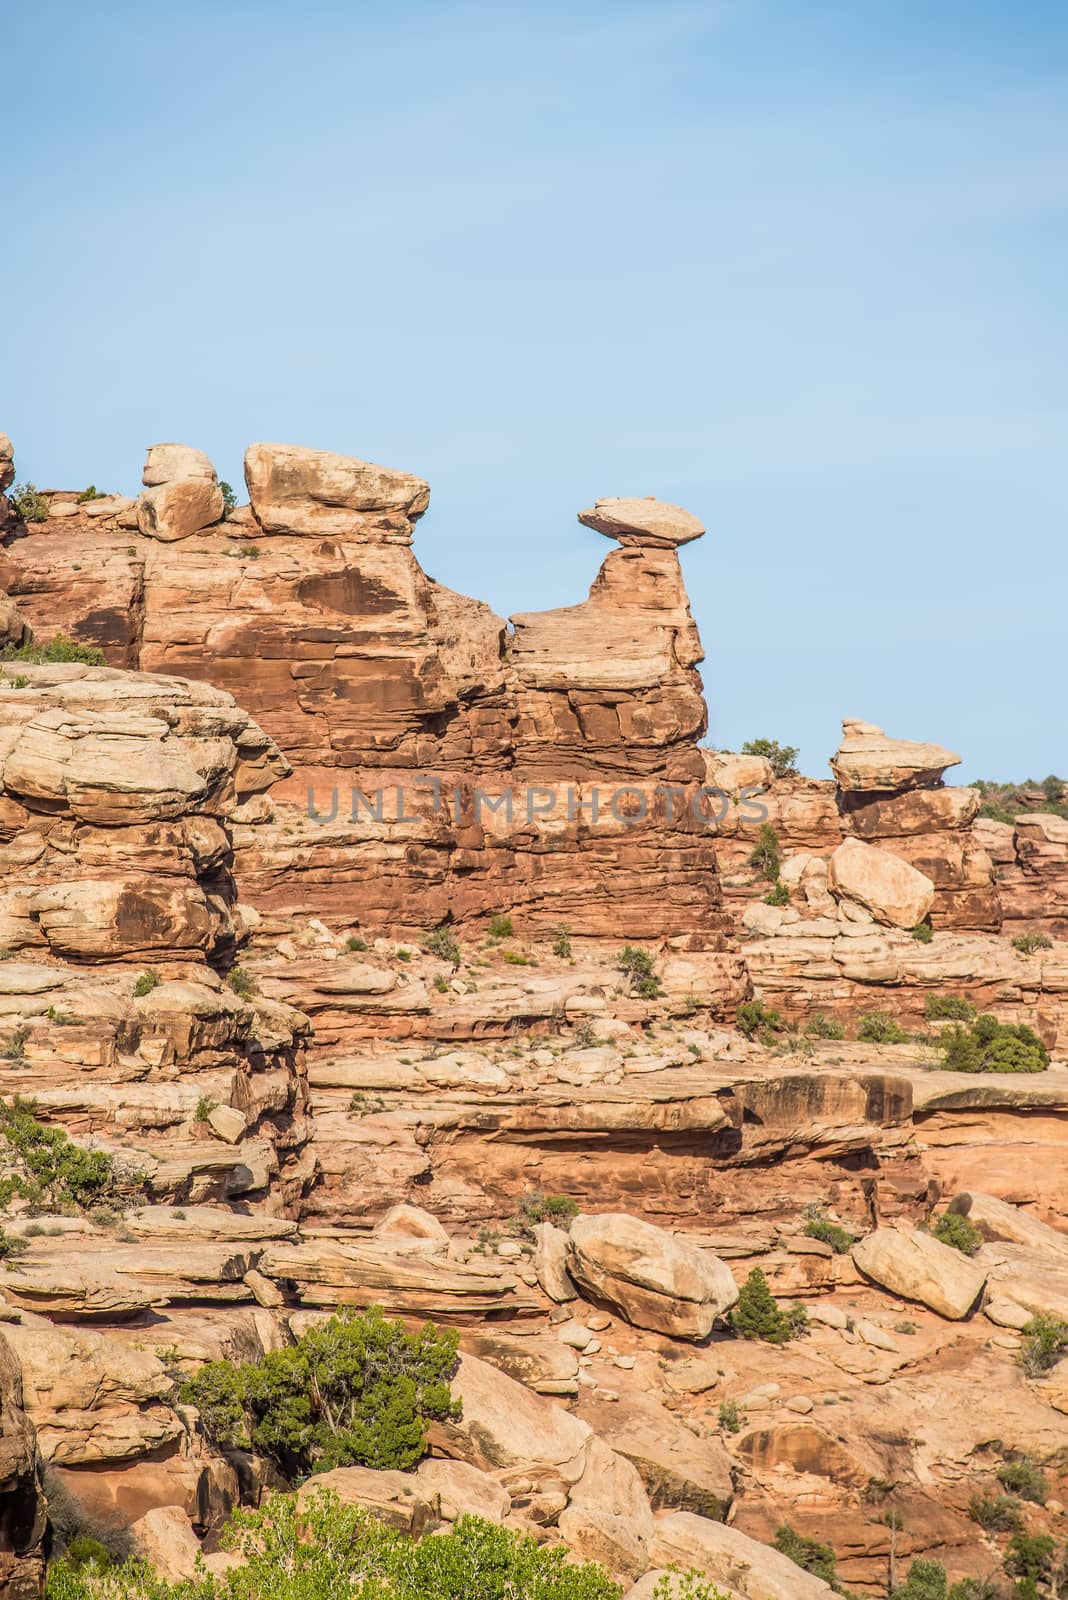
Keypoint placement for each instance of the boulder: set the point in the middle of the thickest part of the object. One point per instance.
(650, 1277)
(165, 463)
(732, 1560)
(868, 759)
(680, 1469)
(462, 1490)
(410, 1228)
(395, 1498)
(894, 892)
(642, 522)
(916, 1266)
(295, 490)
(550, 1262)
(164, 1538)
(608, 1518)
(180, 508)
(7, 462)
(505, 1425)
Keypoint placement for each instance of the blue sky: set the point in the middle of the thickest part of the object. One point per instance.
(798, 266)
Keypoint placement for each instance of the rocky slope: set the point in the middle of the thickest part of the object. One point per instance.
(313, 1102)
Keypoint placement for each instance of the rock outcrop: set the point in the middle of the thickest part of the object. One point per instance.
(656, 1281)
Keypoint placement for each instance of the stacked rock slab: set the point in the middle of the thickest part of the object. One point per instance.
(378, 683)
(182, 493)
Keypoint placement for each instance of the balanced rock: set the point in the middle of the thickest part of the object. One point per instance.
(165, 463)
(638, 522)
(296, 490)
(650, 1277)
(176, 510)
(889, 888)
(919, 1267)
(868, 759)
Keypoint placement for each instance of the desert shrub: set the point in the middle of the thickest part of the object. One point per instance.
(922, 932)
(240, 982)
(1029, 1555)
(640, 971)
(59, 648)
(28, 504)
(766, 855)
(500, 927)
(948, 1007)
(15, 1049)
(354, 942)
(781, 756)
(11, 1247)
(820, 1026)
(730, 1416)
(992, 1046)
(879, 1027)
(777, 895)
(1028, 943)
(204, 1109)
(145, 984)
(686, 1586)
(229, 499)
(356, 1390)
(957, 1232)
(45, 1167)
(998, 1513)
(758, 1315)
(443, 944)
(840, 1239)
(819, 1559)
(1045, 1339)
(562, 940)
(91, 493)
(317, 1549)
(1024, 1477)
(62, 1019)
(441, 983)
(756, 1020)
(366, 1105)
(537, 1207)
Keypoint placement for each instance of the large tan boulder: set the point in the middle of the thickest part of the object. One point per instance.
(164, 1538)
(165, 463)
(7, 462)
(894, 892)
(180, 508)
(504, 1424)
(653, 1279)
(609, 1519)
(550, 1262)
(395, 1498)
(462, 1490)
(732, 1560)
(296, 490)
(868, 759)
(916, 1266)
(642, 522)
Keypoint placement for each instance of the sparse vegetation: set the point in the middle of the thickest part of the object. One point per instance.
(91, 493)
(28, 504)
(241, 982)
(922, 932)
(820, 1026)
(145, 984)
(1028, 943)
(443, 944)
(62, 1019)
(879, 1027)
(562, 941)
(1030, 1555)
(316, 1548)
(639, 968)
(758, 1315)
(204, 1109)
(988, 1045)
(957, 1232)
(766, 856)
(821, 1227)
(758, 1021)
(998, 1513)
(366, 1105)
(15, 1049)
(441, 983)
(781, 756)
(229, 499)
(354, 943)
(355, 1390)
(1022, 1475)
(1044, 1342)
(44, 1166)
(812, 1556)
(1004, 802)
(777, 895)
(948, 1007)
(60, 648)
(500, 927)
(534, 1208)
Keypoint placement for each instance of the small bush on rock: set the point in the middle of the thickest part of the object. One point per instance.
(500, 927)
(821, 1026)
(60, 648)
(1028, 943)
(145, 984)
(443, 944)
(534, 1208)
(766, 856)
(777, 895)
(1024, 1477)
(640, 971)
(922, 932)
(957, 1232)
(756, 1020)
(820, 1227)
(356, 1390)
(1030, 1556)
(45, 1167)
(997, 1513)
(992, 1046)
(879, 1027)
(758, 1315)
(1045, 1340)
(948, 1007)
(781, 756)
(819, 1559)
(28, 504)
